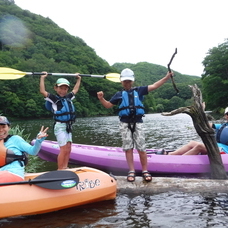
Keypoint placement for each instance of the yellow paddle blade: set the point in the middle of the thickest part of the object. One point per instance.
(114, 77)
(10, 74)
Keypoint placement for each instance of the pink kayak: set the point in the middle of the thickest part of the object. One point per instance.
(113, 159)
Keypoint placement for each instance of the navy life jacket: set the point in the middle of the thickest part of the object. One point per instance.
(64, 114)
(222, 134)
(8, 156)
(131, 106)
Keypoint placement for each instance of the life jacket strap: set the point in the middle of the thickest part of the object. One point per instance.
(130, 107)
(131, 126)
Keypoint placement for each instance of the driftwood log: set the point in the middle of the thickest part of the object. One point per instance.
(204, 130)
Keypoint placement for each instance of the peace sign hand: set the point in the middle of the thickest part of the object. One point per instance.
(42, 133)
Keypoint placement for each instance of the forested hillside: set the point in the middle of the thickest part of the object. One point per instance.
(32, 43)
(215, 78)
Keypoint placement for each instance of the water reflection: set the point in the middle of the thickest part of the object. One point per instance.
(142, 211)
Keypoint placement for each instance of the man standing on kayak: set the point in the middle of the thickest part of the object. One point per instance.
(131, 111)
(64, 114)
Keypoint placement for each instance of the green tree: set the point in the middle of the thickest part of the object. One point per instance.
(150, 103)
(215, 77)
(175, 102)
(160, 108)
(13, 106)
(31, 108)
(47, 47)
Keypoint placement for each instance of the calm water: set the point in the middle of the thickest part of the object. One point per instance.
(161, 131)
(169, 209)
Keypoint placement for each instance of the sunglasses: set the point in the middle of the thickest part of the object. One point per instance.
(226, 113)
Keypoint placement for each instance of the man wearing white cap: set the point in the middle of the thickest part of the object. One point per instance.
(131, 111)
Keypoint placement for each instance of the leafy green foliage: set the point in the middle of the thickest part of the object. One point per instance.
(32, 43)
(215, 77)
(18, 131)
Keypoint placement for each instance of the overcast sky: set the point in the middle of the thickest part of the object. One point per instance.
(148, 30)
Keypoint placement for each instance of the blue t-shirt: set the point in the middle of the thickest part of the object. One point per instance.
(222, 147)
(18, 145)
(117, 99)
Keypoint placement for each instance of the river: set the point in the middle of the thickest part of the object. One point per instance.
(170, 209)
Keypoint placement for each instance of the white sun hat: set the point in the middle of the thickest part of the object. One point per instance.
(127, 74)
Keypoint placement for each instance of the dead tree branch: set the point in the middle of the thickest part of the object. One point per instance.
(204, 130)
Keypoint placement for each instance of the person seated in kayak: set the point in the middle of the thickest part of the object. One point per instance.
(64, 114)
(194, 148)
(131, 111)
(12, 152)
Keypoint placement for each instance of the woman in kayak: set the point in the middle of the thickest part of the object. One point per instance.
(13, 151)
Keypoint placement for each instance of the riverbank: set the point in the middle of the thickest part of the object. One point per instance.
(170, 184)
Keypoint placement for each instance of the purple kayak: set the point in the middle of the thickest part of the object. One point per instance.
(113, 159)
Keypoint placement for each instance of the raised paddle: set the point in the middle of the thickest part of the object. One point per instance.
(56, 180)
(12, 74)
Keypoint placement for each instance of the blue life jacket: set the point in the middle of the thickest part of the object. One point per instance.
(131, 106)
(48, 105)
(67, 113)
(222, 134)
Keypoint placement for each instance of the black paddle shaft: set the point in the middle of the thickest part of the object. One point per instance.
(56, 180)
(66, 74)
